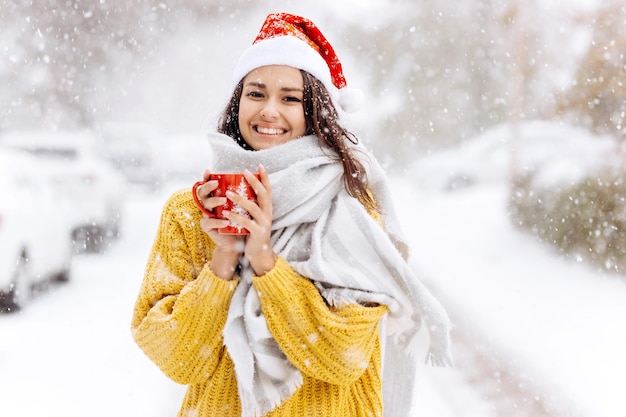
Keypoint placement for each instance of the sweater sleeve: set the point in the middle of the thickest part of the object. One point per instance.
(182, 306)
(333, 344)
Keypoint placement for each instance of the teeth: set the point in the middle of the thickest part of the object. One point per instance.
(268, 131)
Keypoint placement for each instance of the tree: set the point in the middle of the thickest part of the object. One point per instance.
(597, 97)
(61, 54)
(442, 72)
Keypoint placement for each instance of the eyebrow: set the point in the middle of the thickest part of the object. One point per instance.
(263, 86)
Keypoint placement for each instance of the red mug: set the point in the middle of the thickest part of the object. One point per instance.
(227, 182)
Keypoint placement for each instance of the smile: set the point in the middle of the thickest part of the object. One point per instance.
(269, 131)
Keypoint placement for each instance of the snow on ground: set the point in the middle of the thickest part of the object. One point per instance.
(70, 353)
(560, 322)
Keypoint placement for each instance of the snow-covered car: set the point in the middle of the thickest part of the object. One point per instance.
(94, 190)
(149, 158)
(182, 158)
(552, 151)
(130, 149)
(35, 243)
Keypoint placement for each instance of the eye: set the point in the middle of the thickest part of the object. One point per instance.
(292, 99)
(254, 94)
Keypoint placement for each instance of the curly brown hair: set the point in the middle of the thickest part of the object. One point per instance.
(322, 120)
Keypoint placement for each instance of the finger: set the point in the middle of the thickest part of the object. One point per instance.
(207, 175)
(248, 205)
(211, 202)
(205, 190)
(254, 182)
(211, 224)
(254, 220)
(209, 187)
(262, 188)
(197, 199)
(201, 192)
(265, 178)
(240, 220)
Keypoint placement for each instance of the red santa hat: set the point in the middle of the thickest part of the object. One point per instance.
(286, 39)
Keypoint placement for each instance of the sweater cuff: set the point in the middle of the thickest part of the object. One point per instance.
(281, 276)
(219, 288)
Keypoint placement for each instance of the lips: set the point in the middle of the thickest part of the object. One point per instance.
(269, 130)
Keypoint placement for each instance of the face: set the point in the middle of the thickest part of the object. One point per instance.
(271, 110)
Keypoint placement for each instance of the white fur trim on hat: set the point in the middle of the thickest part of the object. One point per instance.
(351, 99)
(284, 50)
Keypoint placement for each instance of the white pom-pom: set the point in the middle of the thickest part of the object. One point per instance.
(350, 99)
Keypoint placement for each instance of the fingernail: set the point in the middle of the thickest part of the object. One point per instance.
(230, 194)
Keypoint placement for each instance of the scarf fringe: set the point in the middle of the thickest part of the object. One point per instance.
(252, 408)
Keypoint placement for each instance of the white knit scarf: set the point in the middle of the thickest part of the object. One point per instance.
(327, 236)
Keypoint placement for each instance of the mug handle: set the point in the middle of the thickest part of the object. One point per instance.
(197, 200)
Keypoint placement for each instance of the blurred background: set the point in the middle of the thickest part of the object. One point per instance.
(434, 74)
(500, 123)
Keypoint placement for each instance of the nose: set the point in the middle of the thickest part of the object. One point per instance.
(269, 110)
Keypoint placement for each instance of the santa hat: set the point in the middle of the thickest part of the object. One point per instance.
(286, 39)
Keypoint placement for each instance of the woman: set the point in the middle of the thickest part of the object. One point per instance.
(286, 321)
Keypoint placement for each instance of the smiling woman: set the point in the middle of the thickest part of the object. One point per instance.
(270, 110)
(288, 319)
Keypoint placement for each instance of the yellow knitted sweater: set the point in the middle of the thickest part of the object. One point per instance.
(182, 308)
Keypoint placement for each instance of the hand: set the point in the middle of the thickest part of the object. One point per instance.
(228, 248)
(257, 247)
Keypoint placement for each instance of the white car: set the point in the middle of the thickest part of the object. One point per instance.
(182, 158)
(555, 153)
(94, 191)
(130, 149)
(35, 243)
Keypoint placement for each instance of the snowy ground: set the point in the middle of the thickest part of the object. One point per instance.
(555, 327)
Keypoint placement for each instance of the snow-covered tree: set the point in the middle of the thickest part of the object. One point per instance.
(597, 96)
(58, 57)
